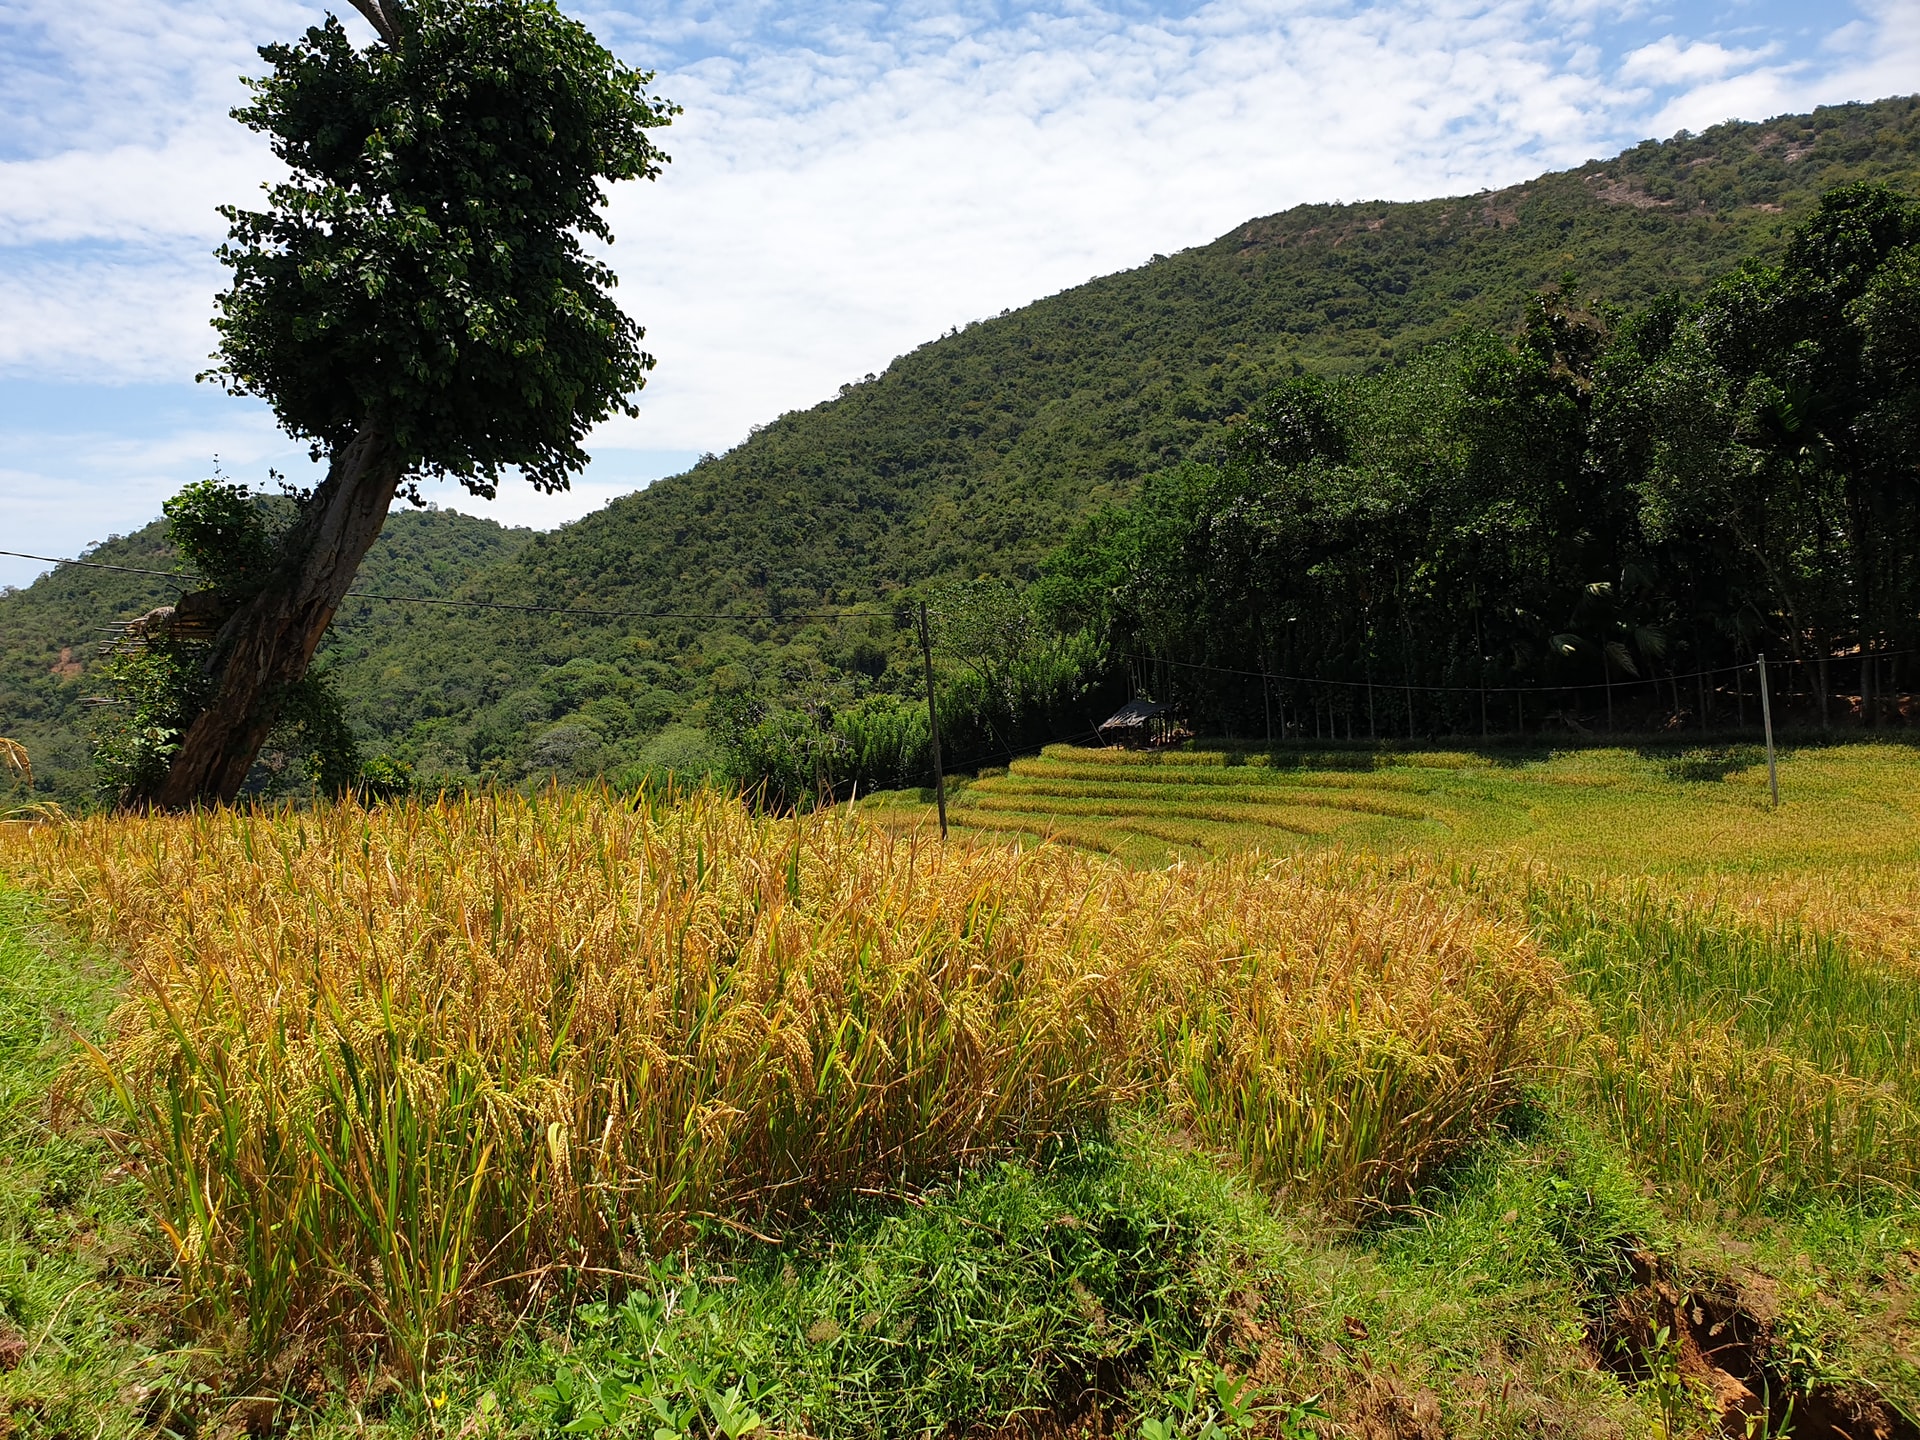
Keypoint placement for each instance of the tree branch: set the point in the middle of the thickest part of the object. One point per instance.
(377, 13)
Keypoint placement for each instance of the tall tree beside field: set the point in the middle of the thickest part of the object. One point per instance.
(415, 301)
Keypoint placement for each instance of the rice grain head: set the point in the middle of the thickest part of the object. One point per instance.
(381, 1058)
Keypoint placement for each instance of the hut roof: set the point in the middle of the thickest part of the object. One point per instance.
(1133, 715)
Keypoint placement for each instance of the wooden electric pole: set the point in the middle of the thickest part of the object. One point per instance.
(1766, 719)
(933, 723)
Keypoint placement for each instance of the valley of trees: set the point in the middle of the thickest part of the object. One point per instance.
(1421, 442)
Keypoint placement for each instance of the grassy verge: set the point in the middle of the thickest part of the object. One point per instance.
(1133, 1286)
(1131, 1280)
(84, 1312)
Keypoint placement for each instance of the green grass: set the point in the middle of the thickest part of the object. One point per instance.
(1117, 1277)
(1132, 1269)
(999, 1293)
(82, 1315)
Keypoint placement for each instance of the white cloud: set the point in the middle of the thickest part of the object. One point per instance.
(110, 316)
(1673, 61)
(1885, 60)
(158, 195)
(95, 74)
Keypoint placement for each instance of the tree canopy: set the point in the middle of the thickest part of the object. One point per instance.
(425, 260)
(416, 299)
(1604, 498)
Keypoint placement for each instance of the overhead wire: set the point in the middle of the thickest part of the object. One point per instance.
(1280, 677)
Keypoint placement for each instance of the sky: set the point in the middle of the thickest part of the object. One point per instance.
(849, 180)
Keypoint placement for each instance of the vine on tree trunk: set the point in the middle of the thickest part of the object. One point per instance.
(163, 669)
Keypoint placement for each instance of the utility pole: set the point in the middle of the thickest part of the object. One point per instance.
(1766, 716)
(933, 723)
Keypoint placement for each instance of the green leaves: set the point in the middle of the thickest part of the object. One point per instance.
(222, 530)
(1596, 501)
(1888, 318)
(1218, 1406)
(422, 268)
(645, 1399)
(732, 1415)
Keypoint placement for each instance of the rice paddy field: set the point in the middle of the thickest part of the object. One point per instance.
(1201, 1093)
(1842, 851)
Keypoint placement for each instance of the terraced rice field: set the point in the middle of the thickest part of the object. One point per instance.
(1154, 806)
(1660, 810)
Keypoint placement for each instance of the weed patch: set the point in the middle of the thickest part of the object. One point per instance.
(1014, 1290)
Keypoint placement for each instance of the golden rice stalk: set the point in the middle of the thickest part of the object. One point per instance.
(1712, 1117)
(14, 756)
(379, 1058)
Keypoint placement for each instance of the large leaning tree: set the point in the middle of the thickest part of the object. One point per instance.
(416, 301)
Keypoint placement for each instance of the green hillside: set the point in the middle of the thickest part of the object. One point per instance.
(977, 452)
(51, 631)
(977, 449)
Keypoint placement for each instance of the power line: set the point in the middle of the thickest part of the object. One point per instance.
(1281, 678)
(93, 564)
(501, 605)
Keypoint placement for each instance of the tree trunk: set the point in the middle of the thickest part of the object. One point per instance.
(269, 642)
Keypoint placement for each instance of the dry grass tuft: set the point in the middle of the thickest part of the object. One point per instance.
(376, 1061)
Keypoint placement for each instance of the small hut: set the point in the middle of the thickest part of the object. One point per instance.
(1136, 723)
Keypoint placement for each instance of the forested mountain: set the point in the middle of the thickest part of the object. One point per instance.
(51, 631)
(974, 451)
(978, 452)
